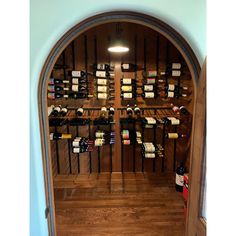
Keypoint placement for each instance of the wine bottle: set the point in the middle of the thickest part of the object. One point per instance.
(149, 80)
(129, 67)
(137, 110)
(150, 73)
(183, 110)
(129, 111)
(128, 95)
(53, 81)
(127, 88)
(148, 87)
(103, 66)
(80, 111)
(56, 110)
(179, 178)
(103, 112)
(173, 73)
(79, 81)
(56, 88)
(102, 81)
(50, 109)
(111, 111)
(77, 73)
(63, 111)
(103, 74)
(57, 136)
(102, 96)
(128, 81)
(175, 135)
(149, 95)
(56, 95)
(79, 95)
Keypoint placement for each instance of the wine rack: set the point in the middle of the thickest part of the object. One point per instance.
(153, 91)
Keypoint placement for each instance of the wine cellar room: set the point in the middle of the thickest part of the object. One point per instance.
(119, 114)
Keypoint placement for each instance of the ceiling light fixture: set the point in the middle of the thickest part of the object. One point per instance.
(118, 46)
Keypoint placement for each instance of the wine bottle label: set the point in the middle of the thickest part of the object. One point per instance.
(104, 109)
(99, 134)
(185, 88)
(149, 155)
(75, 143)
(127, 95)
(173, 135)
(66, 81)
(66, 136)
(51, 95)
(50, 109)
(127, 81)
(170, 94)
(101, 66)
(126, 142)
(179, 180)
(75, 88)
(151, 80)
(98, 142)
(102, 95)
(75, 81)
(125, 66)
(161, 80)
(150, 120)
(184, 95)
(76, 150)
(51, 88)
(175, 121)
(149, 95)
(152, 73)
(66, 89)
(101, 81)
(100, 73)
(176, 66)
(148, 87)
(171, 87)
(176, 72)
(138, 134)
(76, 73)
(65, 96)
(102, 89)
(51, 136)
(126, 88)
(162, 73)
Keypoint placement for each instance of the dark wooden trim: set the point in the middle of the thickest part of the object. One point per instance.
(197, 159)
(123, 16)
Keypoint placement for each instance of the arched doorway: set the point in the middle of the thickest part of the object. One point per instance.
(132, 17)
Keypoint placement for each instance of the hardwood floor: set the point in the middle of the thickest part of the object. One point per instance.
(128, 204)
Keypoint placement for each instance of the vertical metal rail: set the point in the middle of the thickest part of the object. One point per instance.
(77, 127)
(175, 146)
(67, 126)
(57, 153)
(163, 145)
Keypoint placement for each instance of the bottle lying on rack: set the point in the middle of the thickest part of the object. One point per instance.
(79, 95)
(150, 73)
(104, 89)
(56, 88)
(129, 111)
(128, 88)
(128, 81)
(58, 136)
(53, 81)
(80, 111)
(103, 74)
(103, 138)
(149, 80)
(103, 66)
(80, 81)
(77, 88)
(148, 87)
(129, 67)
(128, 95)
(55, 110)
(63, 111)
(175, 135)
(104, 134)
(172, 70)
(82, 144)
(57, 95)
(171, 94)
(77, 73)
(149, 94)
(171, 121)
(148, 150)
(105, 96)
(100, 81)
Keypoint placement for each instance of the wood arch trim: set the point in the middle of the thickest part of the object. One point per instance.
(123, 16)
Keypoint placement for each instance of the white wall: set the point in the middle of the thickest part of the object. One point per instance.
(50, 19)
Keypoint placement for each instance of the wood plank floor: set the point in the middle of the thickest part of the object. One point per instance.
(116, 204)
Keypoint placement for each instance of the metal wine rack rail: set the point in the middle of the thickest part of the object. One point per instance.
(91, 113)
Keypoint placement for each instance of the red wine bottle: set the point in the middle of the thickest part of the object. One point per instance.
(179, 178)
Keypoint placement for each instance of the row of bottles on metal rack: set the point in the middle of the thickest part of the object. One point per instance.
(155, 84)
